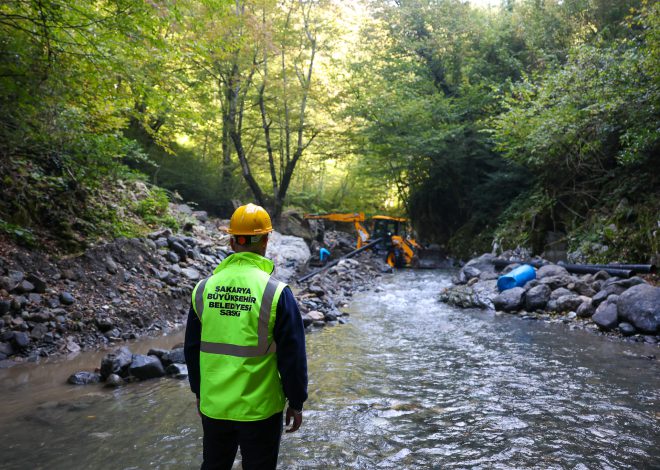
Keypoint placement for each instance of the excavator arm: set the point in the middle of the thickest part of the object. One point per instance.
(352, 217)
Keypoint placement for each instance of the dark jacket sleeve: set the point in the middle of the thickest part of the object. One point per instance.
(289, 333)
(191, 349)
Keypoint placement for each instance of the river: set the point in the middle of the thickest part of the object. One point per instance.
(407, 383)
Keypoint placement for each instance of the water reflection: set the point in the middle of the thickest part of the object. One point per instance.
(409, 383)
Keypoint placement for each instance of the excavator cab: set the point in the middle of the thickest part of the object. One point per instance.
(399, 248)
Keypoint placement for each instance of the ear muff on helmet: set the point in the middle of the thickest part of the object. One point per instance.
(245, 240)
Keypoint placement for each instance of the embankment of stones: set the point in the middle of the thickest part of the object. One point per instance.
(625, 307)
(115, 291)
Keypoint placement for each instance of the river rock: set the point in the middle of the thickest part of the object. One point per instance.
(316, 290)
(625, 283)
(5, 305)
(191, 274)
(483, 263)
(116, 362)
(550, 270)
(329, 316)
(16, 276)
(489, 276)
(509, 300)
(159, 353)
(18, 302)
(72, 346)
(7, 349)
(601, 275)
(600, 297)
(84, 378)
(110, 265)
(586, 309)
(537, 297)
(175, 356)
(306, 320)
(640, 306)
(562, 291)
(555, 282)
(179, 249)
(7, 284)
(25, 287)
(66, 298)
(38, 331)
(584, 288)
(626, 329)
(567, 303)
(315, 315)
(469, 272)
(146, 367)
(104, 324)
(288, 253)
(114, 380)
(178, 371)
(606, 316)
(20, 340)
(172, 257)
(162, 233)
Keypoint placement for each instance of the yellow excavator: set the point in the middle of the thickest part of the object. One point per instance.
(401, 250)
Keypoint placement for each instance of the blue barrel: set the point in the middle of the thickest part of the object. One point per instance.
(516, 278)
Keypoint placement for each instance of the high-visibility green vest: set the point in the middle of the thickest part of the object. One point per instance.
(238, 366)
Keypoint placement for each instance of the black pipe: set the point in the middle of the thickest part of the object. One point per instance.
(637, 268)
(589, 269)
(348, 255)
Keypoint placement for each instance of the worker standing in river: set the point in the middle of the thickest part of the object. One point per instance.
(245, 350)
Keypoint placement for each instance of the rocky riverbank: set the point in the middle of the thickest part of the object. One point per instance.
(129, 288)
(626, 308)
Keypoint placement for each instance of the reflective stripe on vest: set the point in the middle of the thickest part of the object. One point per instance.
(262, 347)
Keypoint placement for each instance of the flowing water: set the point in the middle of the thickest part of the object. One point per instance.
(408, 383)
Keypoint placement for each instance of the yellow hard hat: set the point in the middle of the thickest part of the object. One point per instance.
(250, 219)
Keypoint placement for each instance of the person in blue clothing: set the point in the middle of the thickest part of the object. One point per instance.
(324, 255)
(245, 350)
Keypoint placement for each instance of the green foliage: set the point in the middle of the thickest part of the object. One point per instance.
(21, 235)
(154, 209)
(588, 130)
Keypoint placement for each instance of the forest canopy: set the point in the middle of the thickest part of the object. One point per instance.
(484, 125)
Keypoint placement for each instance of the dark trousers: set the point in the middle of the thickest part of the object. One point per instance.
(259, 442)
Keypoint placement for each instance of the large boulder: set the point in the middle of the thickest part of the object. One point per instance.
(478, 295)
(469, 272)
(178, 371)
(606, 316)
(293, 223)
(84, 378)
(567, 303)
(483, 263)
(510, 300)
(175, 356)
(537, 297)
(640, 306)
(146, 367)
(583, 288)
(551, 270)
(586, 309)
(562, 291)
(116, 362)
(288, 253)
(555, 282)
